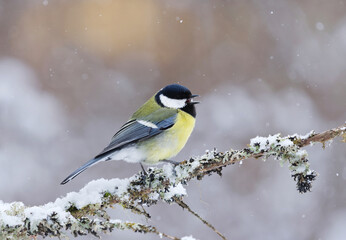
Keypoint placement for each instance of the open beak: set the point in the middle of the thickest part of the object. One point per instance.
(191, 99)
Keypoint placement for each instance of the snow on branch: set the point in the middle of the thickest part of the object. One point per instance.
(84, 212)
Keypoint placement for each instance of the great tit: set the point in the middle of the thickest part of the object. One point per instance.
(157, 131)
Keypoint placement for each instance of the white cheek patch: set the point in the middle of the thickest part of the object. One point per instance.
(147, 124)
(172, 103)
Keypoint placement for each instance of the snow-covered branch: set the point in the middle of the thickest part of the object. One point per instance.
(84, 212)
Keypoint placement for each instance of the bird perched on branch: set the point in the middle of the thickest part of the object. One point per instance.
(157, 131)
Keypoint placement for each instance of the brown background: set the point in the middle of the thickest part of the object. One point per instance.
(72, 72)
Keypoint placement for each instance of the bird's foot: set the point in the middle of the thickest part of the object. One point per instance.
(144, 172)
(144, 175)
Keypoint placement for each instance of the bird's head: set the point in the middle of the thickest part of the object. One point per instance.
(178, 97)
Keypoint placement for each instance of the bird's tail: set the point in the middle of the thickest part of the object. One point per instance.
(80, 170)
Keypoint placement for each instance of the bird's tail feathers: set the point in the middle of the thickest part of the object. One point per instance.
(81, 169)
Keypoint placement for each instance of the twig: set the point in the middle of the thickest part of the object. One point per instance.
(237, 155)
(167, 236)
(324, 136)
(185, 206)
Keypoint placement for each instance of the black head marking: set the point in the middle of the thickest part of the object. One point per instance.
(175, 91)
(178, 92)
(190, 109)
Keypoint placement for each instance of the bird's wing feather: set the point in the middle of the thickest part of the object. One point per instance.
(134, 130)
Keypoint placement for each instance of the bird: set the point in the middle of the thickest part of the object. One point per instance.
(155, 133)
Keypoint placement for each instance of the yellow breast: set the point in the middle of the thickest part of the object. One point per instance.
(170, 143)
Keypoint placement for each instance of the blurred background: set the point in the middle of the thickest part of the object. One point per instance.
(72, 72)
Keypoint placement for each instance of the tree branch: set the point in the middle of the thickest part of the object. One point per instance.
(84, 212)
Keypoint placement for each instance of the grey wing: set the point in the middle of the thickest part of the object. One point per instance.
(134, 131)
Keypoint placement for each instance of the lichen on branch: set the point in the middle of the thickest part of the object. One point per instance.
(84, 212)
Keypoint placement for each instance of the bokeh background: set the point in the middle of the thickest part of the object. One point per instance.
(72, 72)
